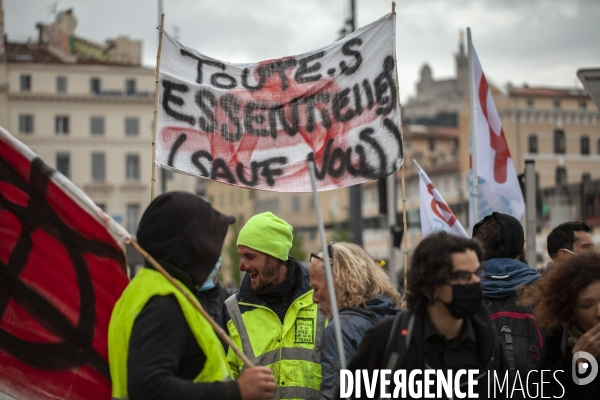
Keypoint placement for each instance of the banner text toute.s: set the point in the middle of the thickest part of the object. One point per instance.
(257, 125)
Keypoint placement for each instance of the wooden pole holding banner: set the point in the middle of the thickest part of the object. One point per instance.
(160, 36)
(219, 331)
(327, 266)
(402, 177)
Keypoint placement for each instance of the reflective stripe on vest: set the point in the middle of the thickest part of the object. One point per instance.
(296, 349)
(146, 284)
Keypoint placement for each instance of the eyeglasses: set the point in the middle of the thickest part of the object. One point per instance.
(464, 277)
(316, 256)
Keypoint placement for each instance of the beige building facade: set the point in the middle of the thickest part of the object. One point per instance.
(86, 109)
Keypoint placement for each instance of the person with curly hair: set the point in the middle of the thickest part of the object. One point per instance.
(364, 296)
(567, 304)
(446, 325)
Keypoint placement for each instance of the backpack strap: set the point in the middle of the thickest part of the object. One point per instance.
(510, 352)
(395, 349)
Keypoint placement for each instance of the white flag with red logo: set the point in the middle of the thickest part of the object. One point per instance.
(498, 185)
(436, 215)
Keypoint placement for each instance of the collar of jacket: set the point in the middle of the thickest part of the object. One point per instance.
(248, 295)
(175, 273)
(484, 332)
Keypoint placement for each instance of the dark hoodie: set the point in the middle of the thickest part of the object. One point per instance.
(185, 235)
(354, 322)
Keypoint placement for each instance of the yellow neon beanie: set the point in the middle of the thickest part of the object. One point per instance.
(268, 234)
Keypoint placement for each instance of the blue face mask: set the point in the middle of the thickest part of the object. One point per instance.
(210, 281)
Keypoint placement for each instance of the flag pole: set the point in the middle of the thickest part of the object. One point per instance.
(218, 330)
(473, 127)
(160, 37)
(401, 171)
(327, 266)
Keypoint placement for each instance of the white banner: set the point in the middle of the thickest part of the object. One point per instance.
(256, 125)
(436, 215)
(498, 186)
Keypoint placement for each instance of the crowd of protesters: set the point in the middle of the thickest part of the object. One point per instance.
(471, 304)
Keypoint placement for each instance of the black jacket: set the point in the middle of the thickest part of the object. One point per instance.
(212, 300)
(164, 356)
(561, 380)
(371, 353)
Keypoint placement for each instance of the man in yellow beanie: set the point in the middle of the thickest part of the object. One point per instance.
(273, 318)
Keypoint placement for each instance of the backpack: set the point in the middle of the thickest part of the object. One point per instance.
(519, 331)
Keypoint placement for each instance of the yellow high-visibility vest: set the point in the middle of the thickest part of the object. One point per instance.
(146, 284)
(291, 349)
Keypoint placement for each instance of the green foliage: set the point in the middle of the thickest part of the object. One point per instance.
(340, 235)
(232, 256)
(297, 250)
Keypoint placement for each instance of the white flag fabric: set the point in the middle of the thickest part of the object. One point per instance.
(436, 215)
(257, 125)
(498, 186)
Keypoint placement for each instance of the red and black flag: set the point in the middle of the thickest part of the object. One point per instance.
(62, 268)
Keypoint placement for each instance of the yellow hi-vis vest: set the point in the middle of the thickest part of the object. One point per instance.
(291, 350)
(146, 284)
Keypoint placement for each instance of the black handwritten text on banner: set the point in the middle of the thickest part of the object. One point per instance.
(257, 125)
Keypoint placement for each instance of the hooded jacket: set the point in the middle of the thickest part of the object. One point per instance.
(185, 235)
(354, 322)
(503, 276)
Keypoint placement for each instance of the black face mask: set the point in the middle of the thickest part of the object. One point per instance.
(466, 300)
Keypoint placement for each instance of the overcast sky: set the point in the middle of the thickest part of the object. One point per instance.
(539, 42)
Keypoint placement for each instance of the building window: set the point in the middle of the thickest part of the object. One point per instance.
(529, 103)
(95, 85)
(561, 176)
(583, 105)
(61, 84)
(431, 144)
(61, 124)
(585, 145)
(132, 126)
(556, 104)
(533, 143)
(97, 125)
(98, 167)
(296, 204)
(63, 163)
(133, 213)
(132, 170)
(25, 83)
(130, 86)
(101, 206)
(26, 123)
(559, 141)
(598, 147)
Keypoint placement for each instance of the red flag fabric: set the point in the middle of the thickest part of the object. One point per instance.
(62, 268)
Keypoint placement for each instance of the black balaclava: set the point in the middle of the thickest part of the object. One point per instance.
(183, 229)
(514, 237)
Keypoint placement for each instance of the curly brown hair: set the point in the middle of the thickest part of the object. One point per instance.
(556, 295)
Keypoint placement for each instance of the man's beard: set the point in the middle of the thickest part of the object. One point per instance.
(326, 310)
(267, 275)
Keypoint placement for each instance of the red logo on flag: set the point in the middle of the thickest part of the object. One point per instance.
(497, 141)
(435, 203)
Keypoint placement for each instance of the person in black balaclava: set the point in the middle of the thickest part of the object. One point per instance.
(445, 326)
(160, 346)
